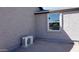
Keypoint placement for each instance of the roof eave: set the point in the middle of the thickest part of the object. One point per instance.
(62, 10)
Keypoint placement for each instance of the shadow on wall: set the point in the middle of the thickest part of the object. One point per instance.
(68, 40)
(65, 42)
(60, 37)
(50, 45)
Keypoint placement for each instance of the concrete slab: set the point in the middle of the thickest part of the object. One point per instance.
(45, 46)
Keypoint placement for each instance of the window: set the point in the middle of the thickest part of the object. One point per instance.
(54, 21)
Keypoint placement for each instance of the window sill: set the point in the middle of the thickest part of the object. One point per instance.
(54, 30)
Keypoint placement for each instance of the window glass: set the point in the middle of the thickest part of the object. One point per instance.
(54, 21)
(54, 17)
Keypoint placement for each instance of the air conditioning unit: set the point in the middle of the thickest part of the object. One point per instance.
(27, 40)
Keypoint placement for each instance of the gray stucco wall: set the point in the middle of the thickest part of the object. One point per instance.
(68, 32)
(14, 23)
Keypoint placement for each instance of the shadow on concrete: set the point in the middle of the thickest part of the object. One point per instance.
(49, 45)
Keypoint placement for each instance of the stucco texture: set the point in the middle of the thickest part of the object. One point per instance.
(69, 30)
(14, 23)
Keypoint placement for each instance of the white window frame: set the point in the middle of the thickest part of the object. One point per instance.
(60, 20)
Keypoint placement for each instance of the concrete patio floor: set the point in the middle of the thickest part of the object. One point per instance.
(45, 46)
